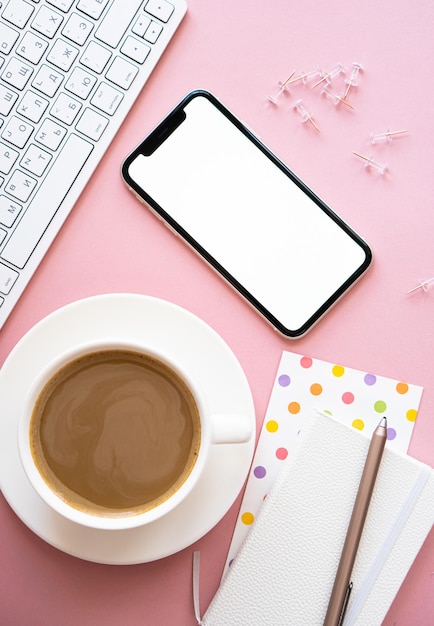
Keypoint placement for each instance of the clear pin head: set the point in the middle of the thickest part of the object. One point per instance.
(371, 163)
(317, 72)
(387, 136)
(424, 285)
(352, 80)
(335, 98)
(304, 113)
(328, 76)
(283, 87)
(304, 76)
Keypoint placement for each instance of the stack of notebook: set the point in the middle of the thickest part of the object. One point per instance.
(285, 569)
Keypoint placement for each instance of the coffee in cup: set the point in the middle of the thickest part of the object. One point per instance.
(115, 432)
(114, 435)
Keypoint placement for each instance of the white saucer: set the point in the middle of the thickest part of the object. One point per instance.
(161, 323)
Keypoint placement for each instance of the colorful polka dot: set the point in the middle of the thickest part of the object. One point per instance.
(370, 379)
(294, 408)
(247, 518)
(402, 388)
(316, 389)
(338, 370)
(411, 415)
(272, 426)
(306, 362)
(380, 406)
(259, 471)
(348, 397)
(391, 434)
(359, 424)
(284, 380)
(281, 453)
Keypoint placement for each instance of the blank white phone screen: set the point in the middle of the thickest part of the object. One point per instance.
(247, 214)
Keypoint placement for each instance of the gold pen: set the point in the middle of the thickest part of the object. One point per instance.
(343, 585)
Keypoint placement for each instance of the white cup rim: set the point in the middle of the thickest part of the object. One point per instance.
(112, 522)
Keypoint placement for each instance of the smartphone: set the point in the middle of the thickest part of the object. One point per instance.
(213, 182)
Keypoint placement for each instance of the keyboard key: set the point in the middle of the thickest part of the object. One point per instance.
(7, 100)
(35, 160)
(80, 83)
(153, 31)
(50, 134)
(17, 73)
(65, 109)
(141, 25)
(92, 124)
(8, 277)
(62, 55)
(7, 158)
(77, 29)
(32, 48)
(3, 235)
(93, 8)
(160, 8)
(18, 12)
(8, 37)
(17, 132)
(47, 80)
(20, 186)
(121, 73)
(45, 205)
(32, 106)
(135, 49)
(107, 98)
(63, 5)
(47, 22)
(9, 211)
(95, 57)
(116, 21)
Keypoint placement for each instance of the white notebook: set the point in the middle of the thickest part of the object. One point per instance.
(285, 569)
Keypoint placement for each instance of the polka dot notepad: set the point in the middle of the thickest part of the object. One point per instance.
(304, 385)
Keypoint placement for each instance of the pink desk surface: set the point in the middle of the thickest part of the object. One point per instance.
(239, 50)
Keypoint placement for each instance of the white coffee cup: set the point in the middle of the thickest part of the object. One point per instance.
(215, 430)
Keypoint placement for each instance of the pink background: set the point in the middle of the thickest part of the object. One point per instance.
(239, 50)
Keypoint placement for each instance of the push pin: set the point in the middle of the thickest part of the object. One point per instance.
(329, 77)
(305, 115)
(369, 162)
(388, 135)
(304, 76)
(334, 97)
(352, 80)
(423, 284)
(282, 88)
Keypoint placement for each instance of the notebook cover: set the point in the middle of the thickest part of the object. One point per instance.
(285, 569)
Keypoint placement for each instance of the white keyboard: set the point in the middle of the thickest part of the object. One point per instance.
(70, 70)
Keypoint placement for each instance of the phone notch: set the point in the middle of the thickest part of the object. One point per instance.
(162, 132)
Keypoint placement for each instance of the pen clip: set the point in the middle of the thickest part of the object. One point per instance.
(345, 604)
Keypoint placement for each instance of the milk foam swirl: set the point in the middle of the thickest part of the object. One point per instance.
(116, 429)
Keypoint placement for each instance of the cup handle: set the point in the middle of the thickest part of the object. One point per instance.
(231, 428)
